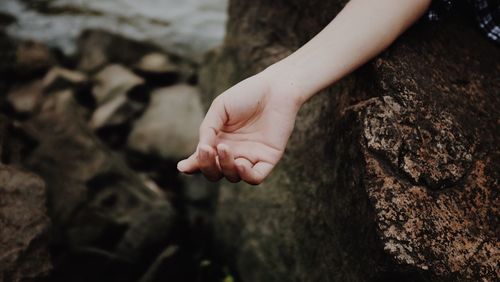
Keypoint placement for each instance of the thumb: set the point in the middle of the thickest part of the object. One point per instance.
(212, 123)
(189, 165)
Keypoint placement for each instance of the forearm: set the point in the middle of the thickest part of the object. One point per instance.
(363, 29)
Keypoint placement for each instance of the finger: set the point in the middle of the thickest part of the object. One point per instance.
(227, 165)
(254, 151)
(207, 163)
(212, 123)
(189, 165)
(253, 174)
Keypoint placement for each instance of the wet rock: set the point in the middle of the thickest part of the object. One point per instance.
(24, 99)
(96, 202)
(24, 226)
(161, 130)
(60, 78)
(112, 81)
(158, 70)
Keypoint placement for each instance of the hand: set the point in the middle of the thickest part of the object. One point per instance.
(245, 131)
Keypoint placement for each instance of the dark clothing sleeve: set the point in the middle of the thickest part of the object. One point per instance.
(486, 12)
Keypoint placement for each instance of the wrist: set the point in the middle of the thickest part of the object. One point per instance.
(287, 81)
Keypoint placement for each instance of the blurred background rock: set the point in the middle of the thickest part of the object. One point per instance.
(99, 101)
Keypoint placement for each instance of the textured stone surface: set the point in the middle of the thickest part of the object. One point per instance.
(402, 181)
(24, 226)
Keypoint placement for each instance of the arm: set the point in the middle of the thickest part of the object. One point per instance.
(245, 131)
(362, 30)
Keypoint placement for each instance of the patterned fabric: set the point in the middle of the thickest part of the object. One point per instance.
(487, 13)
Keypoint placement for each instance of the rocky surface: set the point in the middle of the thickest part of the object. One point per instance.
(118, 214)
(93, 198)
(402, 181)
(24, 227)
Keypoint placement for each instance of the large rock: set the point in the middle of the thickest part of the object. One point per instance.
(112, 81)
(121, 96)
(59, 78)
(32, 59)
(161, 70)
(401, 183)
(24, 99)
(169, 126)
(96, 48)
(24, 226)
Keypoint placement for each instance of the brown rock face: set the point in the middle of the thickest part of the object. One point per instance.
(402, 180)
(24, 255)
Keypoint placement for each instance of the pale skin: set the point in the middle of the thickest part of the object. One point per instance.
(246, 129)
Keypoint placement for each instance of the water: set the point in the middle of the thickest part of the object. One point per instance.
(184, 27)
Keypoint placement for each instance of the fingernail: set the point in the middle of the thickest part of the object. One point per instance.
(179, 166)
(222, 154)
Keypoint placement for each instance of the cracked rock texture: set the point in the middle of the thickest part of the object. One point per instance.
(402, 181)
(24, 254)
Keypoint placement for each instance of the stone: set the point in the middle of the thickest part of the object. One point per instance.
(103, 114)
(401, 182)
(24, 99)
(155, 62)
(158, 70)
(114, 80)
(121, 96)
(24, 227)
(169, 126)
(164, 267)
(32, 59)
(96, 48)
(60, 78)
